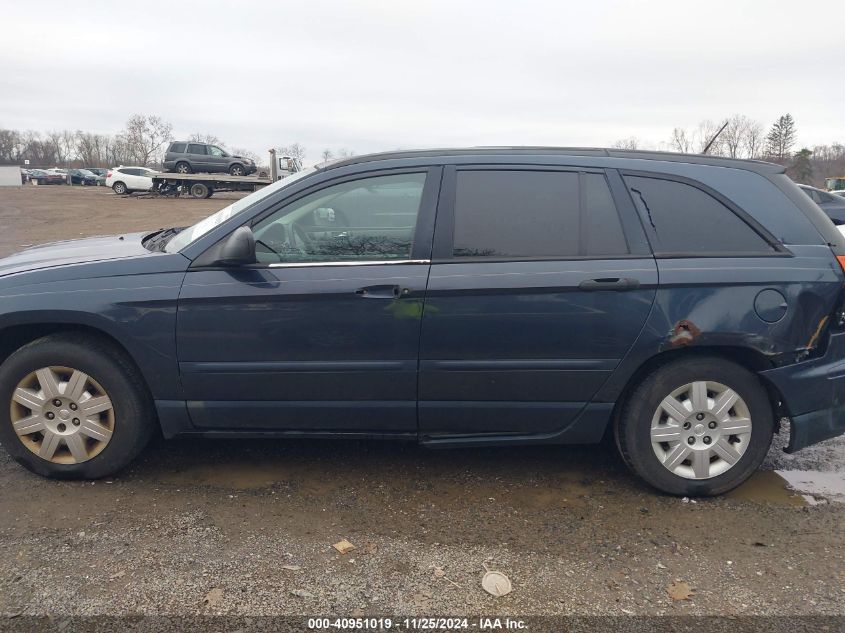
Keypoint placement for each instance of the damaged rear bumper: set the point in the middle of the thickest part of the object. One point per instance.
(813, 392)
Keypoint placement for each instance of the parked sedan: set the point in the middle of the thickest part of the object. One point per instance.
(82, 177)
(42, 177)
(99, 171)
(91, 178)
(832, 205)
(128, 179)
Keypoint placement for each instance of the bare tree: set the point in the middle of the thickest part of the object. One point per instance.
(632, 142)
(345, 153)
(754, 140)
(63, 146)
(205, 138)
(10, 145)
(294, 150)
(704, 133)
(246, 154)
(327, 155)
(733, 136)
(144, 137)
(681, 141)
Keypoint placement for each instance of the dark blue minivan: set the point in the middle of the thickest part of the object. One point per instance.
(690, 305)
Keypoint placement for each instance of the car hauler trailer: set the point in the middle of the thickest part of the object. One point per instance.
(204, 185)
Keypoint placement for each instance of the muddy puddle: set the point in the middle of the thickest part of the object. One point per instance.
(792, 488)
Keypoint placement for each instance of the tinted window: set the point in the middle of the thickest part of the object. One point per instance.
(196, 148)
(535, 214)
(178, 148)
(367, 219)
(687, 219)
(601, 229)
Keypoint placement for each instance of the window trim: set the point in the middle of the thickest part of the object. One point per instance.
(779, 250)
(443, 248)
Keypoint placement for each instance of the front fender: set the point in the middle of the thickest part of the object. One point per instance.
(138, 311)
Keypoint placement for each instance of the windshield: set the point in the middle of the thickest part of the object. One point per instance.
(193, 233)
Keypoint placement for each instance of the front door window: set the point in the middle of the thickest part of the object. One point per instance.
(371, 219)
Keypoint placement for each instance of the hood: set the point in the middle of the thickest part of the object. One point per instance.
(69, 252)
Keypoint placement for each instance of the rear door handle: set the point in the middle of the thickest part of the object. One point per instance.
(381, 292)
(610, 283)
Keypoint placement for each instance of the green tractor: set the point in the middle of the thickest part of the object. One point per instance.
(834, 184)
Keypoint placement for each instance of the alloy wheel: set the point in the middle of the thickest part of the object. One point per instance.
(62, 415)
(701, 430)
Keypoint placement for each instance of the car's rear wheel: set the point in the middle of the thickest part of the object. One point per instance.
(73, 407)
(183, 168)
(237, 170)
(119, 188)
(696, 426)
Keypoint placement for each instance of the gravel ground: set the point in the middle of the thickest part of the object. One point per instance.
(246, 527)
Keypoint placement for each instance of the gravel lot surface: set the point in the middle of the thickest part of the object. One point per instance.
(247, 527)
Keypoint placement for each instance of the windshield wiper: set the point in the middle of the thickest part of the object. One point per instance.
(157, 241)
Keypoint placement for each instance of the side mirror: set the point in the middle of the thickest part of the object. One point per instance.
(239, 248)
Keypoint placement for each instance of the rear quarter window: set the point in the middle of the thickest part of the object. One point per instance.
(686, 220)
(178, 148)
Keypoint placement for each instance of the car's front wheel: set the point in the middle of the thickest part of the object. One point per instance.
(696, 426)
(237, 170)
(74, 407)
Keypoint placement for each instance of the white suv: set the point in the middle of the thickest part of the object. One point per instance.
(127, 179)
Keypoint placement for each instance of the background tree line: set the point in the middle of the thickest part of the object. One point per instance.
(142, 141)
(744, 137)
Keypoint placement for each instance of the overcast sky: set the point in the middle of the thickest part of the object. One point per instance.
(368, 75)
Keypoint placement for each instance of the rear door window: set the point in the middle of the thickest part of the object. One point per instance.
(688, 220)
(523, 214)
(196, 148)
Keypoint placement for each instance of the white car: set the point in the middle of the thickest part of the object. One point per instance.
(838, 192)
(128, 179)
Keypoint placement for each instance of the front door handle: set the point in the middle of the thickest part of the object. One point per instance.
(610, 283)
(381, 292)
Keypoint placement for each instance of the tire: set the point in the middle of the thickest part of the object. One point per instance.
(702, 459)
(210, 192)
(108, 370)
(199, 190)
(183, 168)
(237, 170)
(119, 188)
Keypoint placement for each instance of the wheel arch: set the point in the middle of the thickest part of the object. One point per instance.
(13, 337)
(750, 359)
